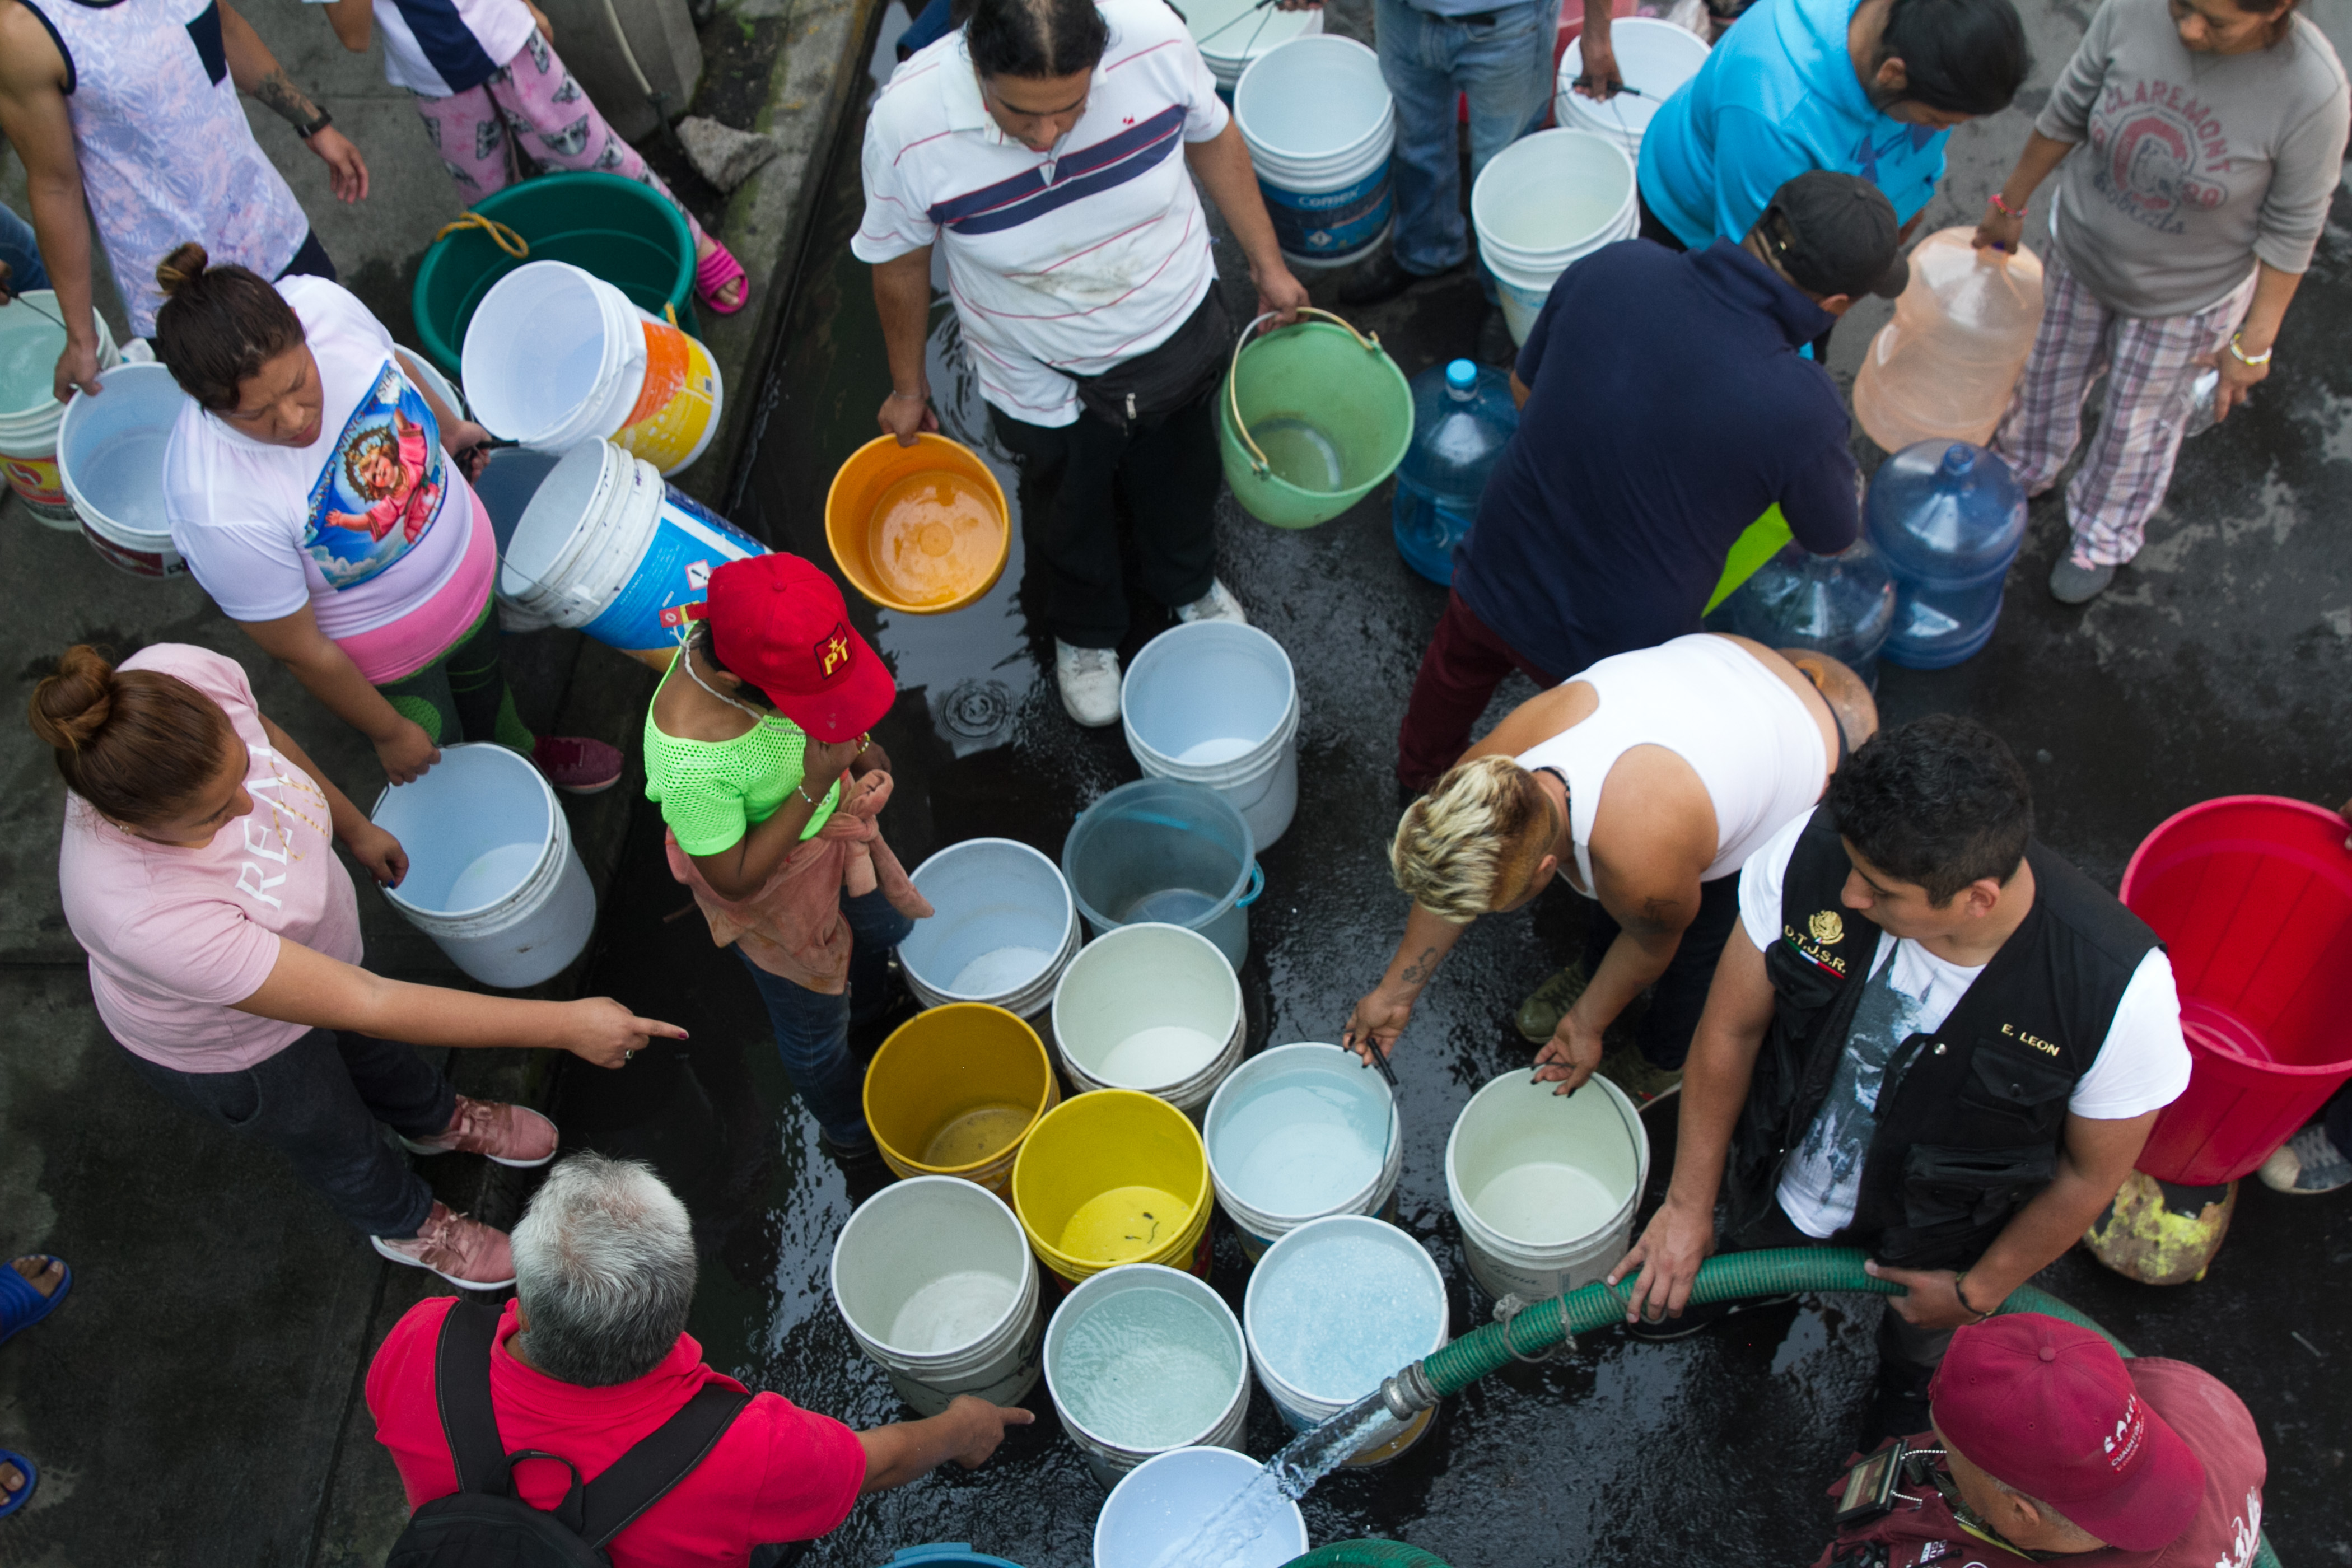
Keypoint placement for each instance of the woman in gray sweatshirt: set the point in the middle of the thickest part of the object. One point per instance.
(2196, 144)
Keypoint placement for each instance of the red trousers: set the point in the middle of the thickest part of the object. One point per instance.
(1464, 663)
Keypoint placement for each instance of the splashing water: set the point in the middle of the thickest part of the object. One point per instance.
(1224, 1538)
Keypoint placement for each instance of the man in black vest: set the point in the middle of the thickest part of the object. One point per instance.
(1929, 1037)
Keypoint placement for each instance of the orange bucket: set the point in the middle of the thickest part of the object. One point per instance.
(677, 408)
(921, 529)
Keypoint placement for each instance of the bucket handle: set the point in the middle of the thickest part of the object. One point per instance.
(1258, 886)
(1368, 343)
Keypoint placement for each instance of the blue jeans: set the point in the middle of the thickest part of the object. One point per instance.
(1505, 65)
(812, 1029)
(22, 255)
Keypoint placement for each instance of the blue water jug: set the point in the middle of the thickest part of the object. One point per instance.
(1841, 604)
(1947, 518)
(1462, 417)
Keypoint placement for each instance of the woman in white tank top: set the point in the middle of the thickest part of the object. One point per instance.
(1643, 783)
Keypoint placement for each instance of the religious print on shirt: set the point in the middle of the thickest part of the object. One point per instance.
(381, 490)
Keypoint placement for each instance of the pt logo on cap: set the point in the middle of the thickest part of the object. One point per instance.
(833, 652)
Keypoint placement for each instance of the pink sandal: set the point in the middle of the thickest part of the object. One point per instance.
(713, 273)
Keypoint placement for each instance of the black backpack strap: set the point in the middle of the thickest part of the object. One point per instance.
(461, 1384)
(663, 1457)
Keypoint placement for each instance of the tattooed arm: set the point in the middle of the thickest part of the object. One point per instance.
(1380, 1017)
(260, 76)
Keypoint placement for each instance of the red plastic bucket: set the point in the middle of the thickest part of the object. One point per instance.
(2252, 895)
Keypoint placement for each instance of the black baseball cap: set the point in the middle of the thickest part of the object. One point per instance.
(1835, 234)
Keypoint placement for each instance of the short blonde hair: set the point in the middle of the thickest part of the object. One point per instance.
(1462, 846)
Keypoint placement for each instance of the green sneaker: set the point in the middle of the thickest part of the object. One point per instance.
(1630, 1070)
(1540, 1014)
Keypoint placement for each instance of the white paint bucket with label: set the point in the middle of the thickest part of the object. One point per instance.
(1543, 203)
(1544, 1186)
(30, 342)
(110, 459)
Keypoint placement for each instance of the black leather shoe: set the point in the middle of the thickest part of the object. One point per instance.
(1381, 279)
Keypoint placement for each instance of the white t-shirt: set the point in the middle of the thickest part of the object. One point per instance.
(364, 524)
(441, 48)
(2142, 1066)
(1073, 260)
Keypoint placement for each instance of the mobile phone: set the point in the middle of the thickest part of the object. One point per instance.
(1870, 1485)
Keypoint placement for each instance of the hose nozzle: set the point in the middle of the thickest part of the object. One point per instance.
(1408, 1394)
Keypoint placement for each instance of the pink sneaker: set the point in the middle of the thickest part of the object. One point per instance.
(510, 1134)
(575, 765)
(465, 1252)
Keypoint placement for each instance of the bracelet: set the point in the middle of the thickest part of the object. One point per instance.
(2242, 357)
(314, 127)
(2007, 211)
(895, 394)
(1959, 1292)
(801, 790)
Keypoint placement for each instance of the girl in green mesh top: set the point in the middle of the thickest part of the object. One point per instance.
(757, 750)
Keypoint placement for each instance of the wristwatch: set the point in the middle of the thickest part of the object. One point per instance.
(315, 126)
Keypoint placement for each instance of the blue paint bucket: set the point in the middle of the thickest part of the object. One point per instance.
(946, 1554)
(1319, 125)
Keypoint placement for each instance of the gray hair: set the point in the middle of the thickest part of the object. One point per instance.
(604, 1266)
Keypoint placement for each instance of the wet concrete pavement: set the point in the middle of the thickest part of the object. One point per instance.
(2218, 665)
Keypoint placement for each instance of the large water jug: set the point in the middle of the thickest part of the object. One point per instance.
(1462, 417)
(1944, 367)
(1841, 604)
(1948, 519)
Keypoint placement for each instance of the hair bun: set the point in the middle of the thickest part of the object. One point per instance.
(184, 266)
(73, 704)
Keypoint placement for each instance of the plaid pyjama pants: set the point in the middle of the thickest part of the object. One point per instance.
(531, 104)
(2146, 361)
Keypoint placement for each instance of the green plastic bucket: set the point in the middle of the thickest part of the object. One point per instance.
(617, 229)
(1314, 415)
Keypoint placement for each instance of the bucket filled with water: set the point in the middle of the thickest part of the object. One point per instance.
(30, 342)
(1142, 1359)
(1151, 1008)
(1160, 850)
(1162, 1502)
(1002, 929)
(921, 529)
(1214, 704)
(1653, 59)
(956, 1091)
(1298, 1132)
(1315, 414)
(1114, 1178)
(493, 877)
(1544, 1185)
(1544, 202)
(1319, 125)
(934, 1278)
(1333, 1310)
(110, 461)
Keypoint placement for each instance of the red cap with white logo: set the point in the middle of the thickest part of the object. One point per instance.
(780, 623)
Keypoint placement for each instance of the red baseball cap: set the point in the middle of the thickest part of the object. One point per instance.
(2050, 1408)
(779, 622)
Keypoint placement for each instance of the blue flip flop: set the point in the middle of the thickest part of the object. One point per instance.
(11, 1501)
(21, 1306)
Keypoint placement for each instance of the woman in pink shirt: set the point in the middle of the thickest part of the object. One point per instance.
(198, 871)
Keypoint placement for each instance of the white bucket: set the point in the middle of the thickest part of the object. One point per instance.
(1165, 1499)
(492, 875)
(29, 411)
(1232, 34)
(553, 355)
(1319, 125)
(1217, 704)
(1003, 928)
(1152, 1007)
(606, 546)
(110, 456)
(1541, 204)
(934, 1278)
(1654, 57)
(1544, 1186)
(1142, 1359)
(421, 373)
(1333, 1309)
(1298, 1132)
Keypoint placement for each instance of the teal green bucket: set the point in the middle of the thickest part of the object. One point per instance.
(622, 232)
(1314, 416)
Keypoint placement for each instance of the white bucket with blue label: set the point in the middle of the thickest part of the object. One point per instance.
(1319, 125)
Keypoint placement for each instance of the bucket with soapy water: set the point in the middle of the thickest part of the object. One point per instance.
(1214, 704)
(1333, 1310)
(1152, 1007)
(1541, 204)
(1111, 1177)
(1003, 928)
(934, 1278)
(1235, 33)
(1298, 1132)
(1163, 1500)
(30, 342)
(606, 546)
(1544, 1186)
(956, 1091)
(110, 459)
(1655, 58)
(1319, 125)
(1168, 851)
(1142, 1359)
(493, 877)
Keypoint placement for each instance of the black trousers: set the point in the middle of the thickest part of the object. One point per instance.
(1167, 464)
(318, 1102)
(311, 260)
(1907, 1357)
(1679, 995)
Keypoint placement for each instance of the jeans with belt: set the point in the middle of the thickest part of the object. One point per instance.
(1502, 60)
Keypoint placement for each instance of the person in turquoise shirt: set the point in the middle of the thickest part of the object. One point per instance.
(1871, 89)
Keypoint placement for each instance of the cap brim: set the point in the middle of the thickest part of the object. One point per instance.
(1898, 278)
(849, 709)
(2155, 1504)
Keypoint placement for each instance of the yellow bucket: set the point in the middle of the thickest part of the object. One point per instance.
(677, 409)
(922, 528)
(1113, 1176)
(954, 1091)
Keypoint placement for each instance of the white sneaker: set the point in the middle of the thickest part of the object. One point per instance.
(1217, 605)
(1088, 678)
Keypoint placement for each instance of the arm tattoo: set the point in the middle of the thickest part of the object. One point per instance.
(283, 98)
(1421, 968)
